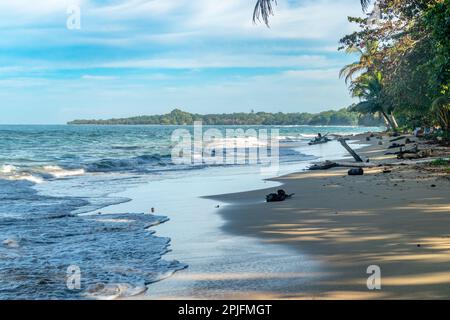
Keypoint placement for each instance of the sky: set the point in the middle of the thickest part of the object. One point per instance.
(136, 57)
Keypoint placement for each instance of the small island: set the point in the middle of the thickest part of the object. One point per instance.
(342, 117)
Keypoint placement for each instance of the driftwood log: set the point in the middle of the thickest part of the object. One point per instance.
(418, 155)
(395, 146)
(398, 139)
(323, 166)
(350, 150)
(410, 151)
(330, 164)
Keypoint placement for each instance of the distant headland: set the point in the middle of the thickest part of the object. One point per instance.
(344, 117)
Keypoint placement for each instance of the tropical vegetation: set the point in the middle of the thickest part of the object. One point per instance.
(403, 66)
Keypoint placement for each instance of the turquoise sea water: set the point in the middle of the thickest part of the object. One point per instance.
(52, 177)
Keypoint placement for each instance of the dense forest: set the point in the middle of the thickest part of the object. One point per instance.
(178, 117)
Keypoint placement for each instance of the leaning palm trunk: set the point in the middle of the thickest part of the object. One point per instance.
(394, 122)
(389, 121)
(386, 120)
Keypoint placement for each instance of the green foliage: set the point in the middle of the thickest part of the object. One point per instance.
(409, 47)
(178, 117)
(441, 112)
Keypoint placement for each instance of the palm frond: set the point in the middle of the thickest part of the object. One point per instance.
(354, 49)
(350, 70)
(263, 10)
(366, 107)
(440, 102)
(365, 4)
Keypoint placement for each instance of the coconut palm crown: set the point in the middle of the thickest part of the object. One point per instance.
(264, 9)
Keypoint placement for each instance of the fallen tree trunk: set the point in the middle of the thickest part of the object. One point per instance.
(323, 166)
(357, 165)
(330, 164)
(350, 150)
(398, 139)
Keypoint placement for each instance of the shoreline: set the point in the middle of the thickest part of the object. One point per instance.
(221, 265)
(317, 245)
(396, 221)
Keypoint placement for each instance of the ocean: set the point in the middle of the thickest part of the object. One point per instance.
(56, 180)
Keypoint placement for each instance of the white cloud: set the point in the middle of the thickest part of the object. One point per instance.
(222, 61)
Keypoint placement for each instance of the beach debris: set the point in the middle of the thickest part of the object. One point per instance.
(350, 150)
(281, 195)
(324, 165)
(397, 139)
(410, 154)
(356, 172)
(380, 143)
(330, 164)
(396, 145)
(387, 171)
(414, 150)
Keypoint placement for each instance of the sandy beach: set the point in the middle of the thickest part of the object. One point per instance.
(397, 221)
(320, 243)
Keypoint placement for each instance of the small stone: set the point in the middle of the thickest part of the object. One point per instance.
(433, 186)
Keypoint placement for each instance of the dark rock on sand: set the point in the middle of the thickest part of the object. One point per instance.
(356, 172)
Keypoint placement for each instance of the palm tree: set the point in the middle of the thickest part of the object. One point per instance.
(366, 61)
(369, 89)
(264, 9)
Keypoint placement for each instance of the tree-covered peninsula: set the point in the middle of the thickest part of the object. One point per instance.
(179, 117)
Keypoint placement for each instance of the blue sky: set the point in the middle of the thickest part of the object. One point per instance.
(148, 57)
